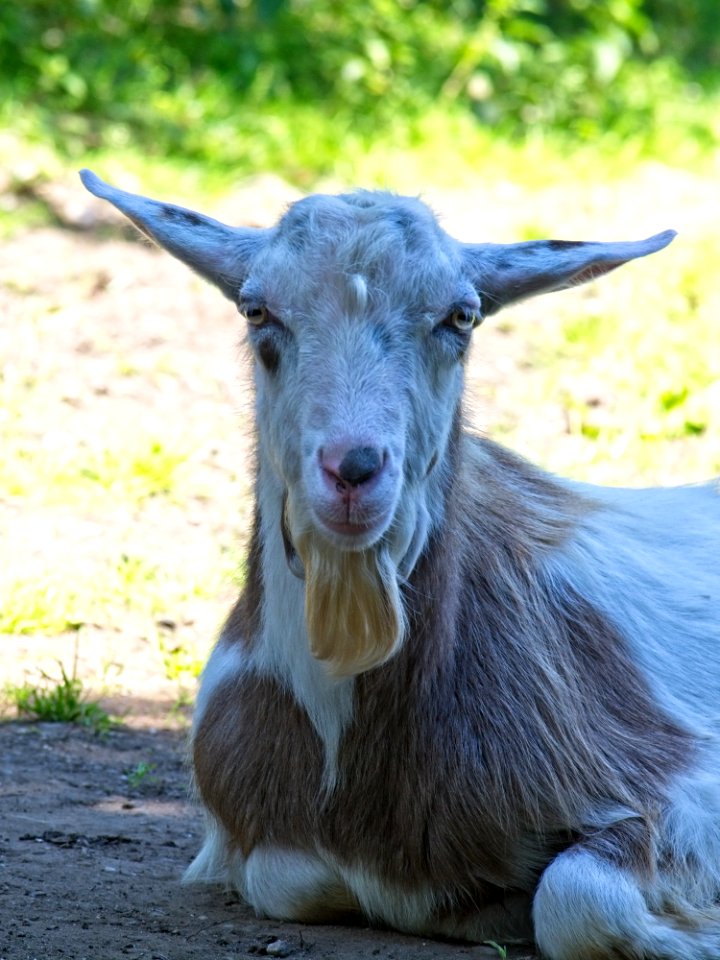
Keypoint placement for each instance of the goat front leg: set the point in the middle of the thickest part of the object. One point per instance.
(588, 907)
(296, 885)
(507, 921)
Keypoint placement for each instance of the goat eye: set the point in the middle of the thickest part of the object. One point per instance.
(462, 319)
(256, 316)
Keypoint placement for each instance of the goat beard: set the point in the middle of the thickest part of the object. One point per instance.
(353, 610)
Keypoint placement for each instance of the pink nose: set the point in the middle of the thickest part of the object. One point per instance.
(351, 468)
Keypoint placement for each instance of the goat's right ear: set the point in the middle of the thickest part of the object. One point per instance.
(219, 253)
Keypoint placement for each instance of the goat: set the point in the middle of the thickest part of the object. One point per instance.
(457, 696)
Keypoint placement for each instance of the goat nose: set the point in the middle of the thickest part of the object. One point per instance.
(354, 467)
(359, 465)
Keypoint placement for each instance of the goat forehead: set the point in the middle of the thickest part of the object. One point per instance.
(405, 218)
(393, 243)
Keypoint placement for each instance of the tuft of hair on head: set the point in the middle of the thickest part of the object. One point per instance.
(353, 610)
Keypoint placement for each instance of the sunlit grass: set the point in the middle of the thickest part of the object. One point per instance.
(113, 479)
(43, 596)
(442, 148)
(128, 470)
(617, 383)
(39, 602)
(182, 662)
(95, 493)
(631, 374)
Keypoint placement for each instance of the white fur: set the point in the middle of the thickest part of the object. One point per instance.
(227, 661)
(649, 559)
(283, 650)
(586, 908)
(416, 911)
(214, 863)
(409, 910)
(360, 311)
(285, 883)
(690, 835)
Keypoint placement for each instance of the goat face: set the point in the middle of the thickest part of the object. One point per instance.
(360, 311)
(359, 315)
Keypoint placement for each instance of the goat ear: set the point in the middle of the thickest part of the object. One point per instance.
(219, 253)
(505, 273)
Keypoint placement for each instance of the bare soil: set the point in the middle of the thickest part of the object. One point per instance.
(95, 831)
(90, 864)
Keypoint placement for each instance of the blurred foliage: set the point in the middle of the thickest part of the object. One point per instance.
(281, 84)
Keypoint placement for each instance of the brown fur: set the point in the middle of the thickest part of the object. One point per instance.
(246, 615)
(482, 747)
(629, 844)
(258, 765)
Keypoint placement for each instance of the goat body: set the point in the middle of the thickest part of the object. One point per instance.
(457, 695)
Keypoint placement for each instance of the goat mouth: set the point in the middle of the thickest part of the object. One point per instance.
(354, 536)
(351, 529)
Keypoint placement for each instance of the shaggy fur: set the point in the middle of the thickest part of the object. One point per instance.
(353, 613)
(457, 696)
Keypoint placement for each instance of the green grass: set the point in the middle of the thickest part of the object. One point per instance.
(501, 951)
(129, 470)
(142, 775)
(114, 479)
(36, 602)
(634, 370)
(182, 662)
(48, 599)
(60, 700)
(618, 382)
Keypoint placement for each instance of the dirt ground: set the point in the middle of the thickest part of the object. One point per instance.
(105, 335)
(95, 831)
(90, 864)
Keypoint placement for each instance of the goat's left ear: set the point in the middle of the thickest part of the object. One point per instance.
(220, 253)
(504, 273)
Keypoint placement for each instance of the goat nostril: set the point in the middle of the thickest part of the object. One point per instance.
(360, 465)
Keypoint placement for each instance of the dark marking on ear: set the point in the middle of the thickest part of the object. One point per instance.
(182, 216)
(506, 263)
(564, 244)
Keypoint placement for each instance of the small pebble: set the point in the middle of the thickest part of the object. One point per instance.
(278, 948)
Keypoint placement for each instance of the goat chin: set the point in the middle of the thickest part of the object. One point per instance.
(353, 610)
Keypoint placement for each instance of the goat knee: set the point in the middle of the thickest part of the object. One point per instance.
(292, 885)
(586, 908)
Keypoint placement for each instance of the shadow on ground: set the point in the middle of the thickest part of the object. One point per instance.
(96, 832)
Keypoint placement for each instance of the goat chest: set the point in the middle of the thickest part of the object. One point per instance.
(411, 809)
